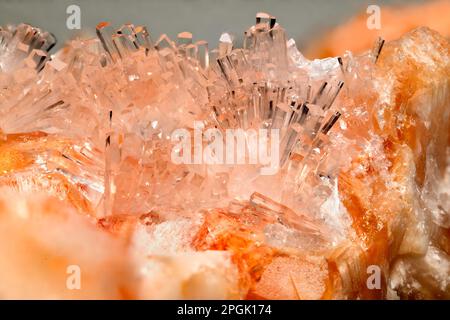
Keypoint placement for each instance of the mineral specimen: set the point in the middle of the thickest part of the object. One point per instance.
(356, 208)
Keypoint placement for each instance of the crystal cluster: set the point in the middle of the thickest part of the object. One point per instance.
(88, 178)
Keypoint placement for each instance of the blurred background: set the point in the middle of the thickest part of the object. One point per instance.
(304, 20)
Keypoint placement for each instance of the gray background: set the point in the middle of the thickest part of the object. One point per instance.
(206, 19)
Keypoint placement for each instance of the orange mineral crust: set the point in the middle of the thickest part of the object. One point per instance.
(103, 185)
(38, 162)
(46, 245)
(391, 205)
(356, 36)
